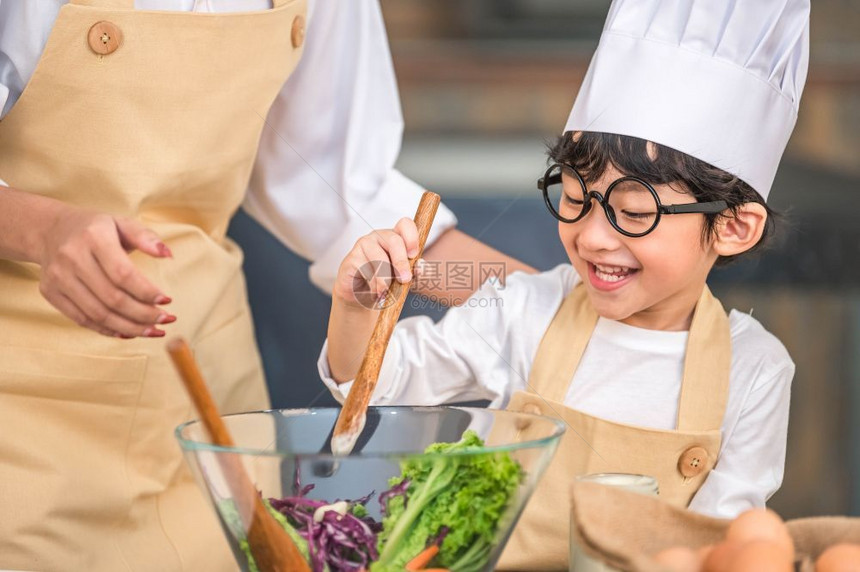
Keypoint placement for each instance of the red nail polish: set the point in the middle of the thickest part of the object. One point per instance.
(162, 299)
(165, 319)
(153, 333)
(164, 251)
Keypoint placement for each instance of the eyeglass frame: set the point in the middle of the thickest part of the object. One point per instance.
(709, 207)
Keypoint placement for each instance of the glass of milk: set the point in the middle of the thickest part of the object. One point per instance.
(643, 484)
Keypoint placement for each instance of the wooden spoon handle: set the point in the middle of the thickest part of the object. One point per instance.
(198, 391)
(271, 546)
(351, 420)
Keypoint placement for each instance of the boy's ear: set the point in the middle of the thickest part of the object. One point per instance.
(738, 233)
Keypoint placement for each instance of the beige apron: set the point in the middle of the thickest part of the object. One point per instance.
(679, 459)
(156, 116)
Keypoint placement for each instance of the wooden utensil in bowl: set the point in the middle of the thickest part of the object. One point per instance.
(271, 546)
(353, 415)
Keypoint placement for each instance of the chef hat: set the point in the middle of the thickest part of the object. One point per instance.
(720, 81)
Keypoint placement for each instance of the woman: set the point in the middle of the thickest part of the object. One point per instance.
(143, 127)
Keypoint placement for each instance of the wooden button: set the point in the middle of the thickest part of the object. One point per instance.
(522, 423)
(693, 461)
(298, 33)
(532, 408)
(104, 38)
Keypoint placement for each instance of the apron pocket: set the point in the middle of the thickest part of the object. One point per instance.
(66, 420)
(73, 377)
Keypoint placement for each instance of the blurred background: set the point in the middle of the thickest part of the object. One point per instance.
(485, 84)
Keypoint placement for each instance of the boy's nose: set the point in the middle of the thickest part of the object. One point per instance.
(595, 233)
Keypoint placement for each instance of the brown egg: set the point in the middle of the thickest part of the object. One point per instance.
(762, 556)
(839, 558)
(761, 524)
(720, 557)
(679, 559)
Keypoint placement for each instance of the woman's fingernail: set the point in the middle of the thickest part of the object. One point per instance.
(163, 250)
(412, 252)
(162, 299)
(405, 276)
(165, 319)
(153, 333)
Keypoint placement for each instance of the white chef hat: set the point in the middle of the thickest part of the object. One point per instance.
(720, 81)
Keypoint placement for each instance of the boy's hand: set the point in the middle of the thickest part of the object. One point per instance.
(374, 262)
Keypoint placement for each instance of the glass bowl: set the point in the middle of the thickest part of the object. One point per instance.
(282, 447)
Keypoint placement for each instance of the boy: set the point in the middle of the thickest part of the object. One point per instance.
(662, 172)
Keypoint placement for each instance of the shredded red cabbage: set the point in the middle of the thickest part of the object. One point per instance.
(398, 490)
(439, 538)
(346, 543)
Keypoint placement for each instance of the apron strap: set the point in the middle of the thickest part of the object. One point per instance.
(129, 4)
(707, 360)
(707, 367)
(562, 346)
(107, 4)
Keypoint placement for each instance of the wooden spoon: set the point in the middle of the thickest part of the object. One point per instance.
(271, 546)
(350, 422)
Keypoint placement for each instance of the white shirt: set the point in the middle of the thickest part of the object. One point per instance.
(485, 349)
(324, 174)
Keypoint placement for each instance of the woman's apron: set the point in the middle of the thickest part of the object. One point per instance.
(155, 116)
(679, 459)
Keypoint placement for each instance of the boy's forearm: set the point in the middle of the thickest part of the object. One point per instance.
(349, 330)
(459, 264)
(351, 326)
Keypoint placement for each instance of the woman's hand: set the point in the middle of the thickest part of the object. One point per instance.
(374, 262)
(88, 275)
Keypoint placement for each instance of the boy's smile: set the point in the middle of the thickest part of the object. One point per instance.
(650, 282)
(608, 277)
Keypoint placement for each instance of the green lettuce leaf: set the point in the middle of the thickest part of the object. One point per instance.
(467, 494)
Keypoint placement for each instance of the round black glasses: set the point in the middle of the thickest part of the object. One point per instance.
(632, 206)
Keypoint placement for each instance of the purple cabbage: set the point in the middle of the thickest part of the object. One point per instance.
(398, 490)
(439, 538)
(345, 543)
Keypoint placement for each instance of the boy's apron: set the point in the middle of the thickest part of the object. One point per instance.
(155, 116)
(679, 459)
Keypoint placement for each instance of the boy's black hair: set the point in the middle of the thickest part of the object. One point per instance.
(590, 153)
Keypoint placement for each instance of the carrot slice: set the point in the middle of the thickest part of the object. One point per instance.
(423, 558)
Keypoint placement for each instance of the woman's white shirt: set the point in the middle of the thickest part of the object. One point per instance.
(485, 350)
(324, 174)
